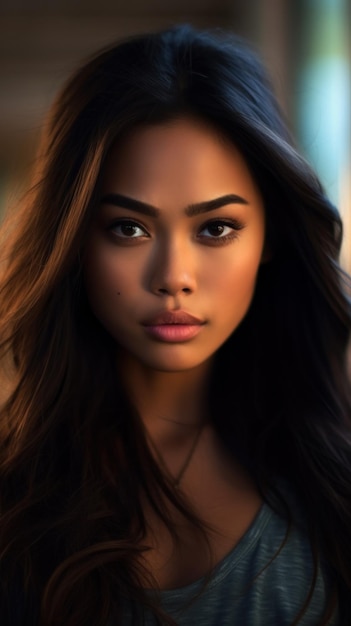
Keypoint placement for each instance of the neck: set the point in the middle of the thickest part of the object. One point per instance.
(167, 402)
(172, 406)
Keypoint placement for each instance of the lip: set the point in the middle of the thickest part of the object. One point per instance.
(173, 317)
(173, 326)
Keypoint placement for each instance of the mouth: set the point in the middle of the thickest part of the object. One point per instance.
(173, 326)
(169, 318)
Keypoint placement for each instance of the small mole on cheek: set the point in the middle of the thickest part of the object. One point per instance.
(118, 293)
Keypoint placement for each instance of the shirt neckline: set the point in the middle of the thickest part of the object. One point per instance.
(227, 563)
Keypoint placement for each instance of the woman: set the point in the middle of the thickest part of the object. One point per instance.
(175, 440)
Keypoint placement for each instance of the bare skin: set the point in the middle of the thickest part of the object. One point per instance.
(174, 259)
(217, 488)
(223, 497)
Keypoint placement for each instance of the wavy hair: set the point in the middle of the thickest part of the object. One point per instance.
(74, 459)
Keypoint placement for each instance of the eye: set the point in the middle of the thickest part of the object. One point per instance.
(221, 230)
(127, 229)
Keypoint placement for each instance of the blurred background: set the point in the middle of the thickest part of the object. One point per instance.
(304, 43)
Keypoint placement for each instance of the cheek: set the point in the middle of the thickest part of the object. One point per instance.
(103, 282)
(233, 278)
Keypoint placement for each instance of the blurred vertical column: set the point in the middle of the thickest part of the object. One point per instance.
(267, 23)
(323, 111)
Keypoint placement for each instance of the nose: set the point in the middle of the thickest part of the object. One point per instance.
(172, 271)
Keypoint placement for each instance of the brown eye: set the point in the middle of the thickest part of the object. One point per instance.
(221, 230)
(216, 229)
(127, 229)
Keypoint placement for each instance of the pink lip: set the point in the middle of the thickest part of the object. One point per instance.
(173, 326)
(173, 317)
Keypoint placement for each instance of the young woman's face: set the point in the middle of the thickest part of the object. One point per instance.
(172, 256)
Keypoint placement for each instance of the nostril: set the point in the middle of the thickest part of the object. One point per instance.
(186, 290)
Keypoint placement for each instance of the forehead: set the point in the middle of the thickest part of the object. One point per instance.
(181, 157)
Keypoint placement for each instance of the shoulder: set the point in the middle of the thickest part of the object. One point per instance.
(268, 578)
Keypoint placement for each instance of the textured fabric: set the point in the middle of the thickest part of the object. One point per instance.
(239, 595)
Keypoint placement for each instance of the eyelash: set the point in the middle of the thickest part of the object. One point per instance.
(125, 222)
(235, 225)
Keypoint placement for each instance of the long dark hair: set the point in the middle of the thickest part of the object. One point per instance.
(74, 458)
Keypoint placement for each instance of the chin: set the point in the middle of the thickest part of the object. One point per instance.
(172, 367)
(168, 363)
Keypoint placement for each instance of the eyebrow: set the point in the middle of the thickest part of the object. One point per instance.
(120, 200)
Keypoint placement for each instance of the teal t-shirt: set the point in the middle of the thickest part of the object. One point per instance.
(240, 594)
